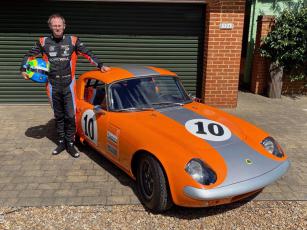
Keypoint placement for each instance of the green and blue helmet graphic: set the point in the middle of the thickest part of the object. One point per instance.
(37, 70)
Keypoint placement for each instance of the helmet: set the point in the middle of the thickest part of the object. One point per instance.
(37, 70)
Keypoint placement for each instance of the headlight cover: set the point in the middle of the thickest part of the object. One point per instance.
(200, 172)
(272, 147)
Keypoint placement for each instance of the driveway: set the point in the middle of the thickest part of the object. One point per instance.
(31, 176)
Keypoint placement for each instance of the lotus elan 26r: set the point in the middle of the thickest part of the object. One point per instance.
(179, 151)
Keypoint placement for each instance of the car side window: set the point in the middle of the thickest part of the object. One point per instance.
(95, 92)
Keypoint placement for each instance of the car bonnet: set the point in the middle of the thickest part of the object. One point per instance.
(242, 161)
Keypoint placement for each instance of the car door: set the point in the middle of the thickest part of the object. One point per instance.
(93, 124)
(95, 119)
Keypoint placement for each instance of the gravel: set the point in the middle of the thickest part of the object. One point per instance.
(244, 215)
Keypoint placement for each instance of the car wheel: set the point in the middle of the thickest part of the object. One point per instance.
(152, 185)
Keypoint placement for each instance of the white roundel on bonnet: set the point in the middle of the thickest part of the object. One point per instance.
(89, 125)
(208, 130)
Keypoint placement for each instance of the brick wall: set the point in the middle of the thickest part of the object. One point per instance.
(260, 66)
(296, 87)
(222, 52)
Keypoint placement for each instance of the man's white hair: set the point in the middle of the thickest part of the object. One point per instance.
(55, 16)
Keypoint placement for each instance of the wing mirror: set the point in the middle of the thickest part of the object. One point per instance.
(194, 98)
(98, 109)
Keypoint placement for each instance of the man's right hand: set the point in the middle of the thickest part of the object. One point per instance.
(25, 75)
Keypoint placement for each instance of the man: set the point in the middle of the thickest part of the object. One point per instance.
(62, 51)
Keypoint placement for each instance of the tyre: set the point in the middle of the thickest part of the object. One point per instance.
(152, 185)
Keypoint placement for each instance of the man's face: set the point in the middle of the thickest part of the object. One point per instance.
(57, 27)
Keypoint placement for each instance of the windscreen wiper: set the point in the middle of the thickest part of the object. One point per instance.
(168, 103)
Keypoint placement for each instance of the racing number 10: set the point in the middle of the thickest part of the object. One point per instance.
(89, 127)
(213, 128)
(208, 130)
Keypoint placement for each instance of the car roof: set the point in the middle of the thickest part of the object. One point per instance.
(126, 71)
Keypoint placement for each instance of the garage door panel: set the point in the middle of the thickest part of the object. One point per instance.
(164, 35)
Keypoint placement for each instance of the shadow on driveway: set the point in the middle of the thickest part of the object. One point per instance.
(47, 130)
(196, 213)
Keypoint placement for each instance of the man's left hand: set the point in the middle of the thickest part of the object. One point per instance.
(105, 69)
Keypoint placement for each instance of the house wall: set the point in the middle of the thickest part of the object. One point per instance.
(222, 52)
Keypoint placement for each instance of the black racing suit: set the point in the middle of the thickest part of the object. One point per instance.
(62, 56)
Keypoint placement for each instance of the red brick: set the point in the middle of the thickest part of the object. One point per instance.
(260, 65)
(223, 52)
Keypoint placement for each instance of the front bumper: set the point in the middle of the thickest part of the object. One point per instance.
(239, 188)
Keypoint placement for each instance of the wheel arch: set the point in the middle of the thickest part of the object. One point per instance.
(134, 168)
(134, 162)
(137, 156)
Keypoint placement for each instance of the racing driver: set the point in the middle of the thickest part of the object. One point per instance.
(61, 50)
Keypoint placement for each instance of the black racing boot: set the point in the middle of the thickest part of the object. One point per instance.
(60, 148)
(70, 148)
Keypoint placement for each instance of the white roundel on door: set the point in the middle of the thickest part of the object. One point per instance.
(208, 130)
(89, 125)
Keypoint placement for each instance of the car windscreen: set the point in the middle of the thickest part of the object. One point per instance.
(147, 92)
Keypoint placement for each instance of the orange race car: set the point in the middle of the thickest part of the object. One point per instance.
(178, 150)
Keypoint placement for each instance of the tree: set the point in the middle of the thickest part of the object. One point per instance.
(286, 47)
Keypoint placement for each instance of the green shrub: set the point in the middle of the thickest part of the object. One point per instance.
(286, 44)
